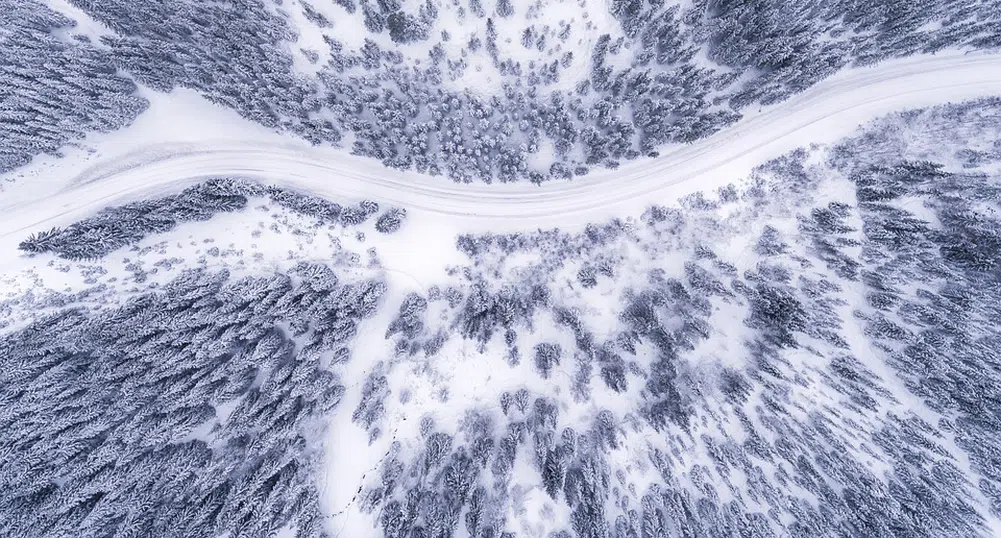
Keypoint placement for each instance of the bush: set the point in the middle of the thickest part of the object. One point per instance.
(391, 221)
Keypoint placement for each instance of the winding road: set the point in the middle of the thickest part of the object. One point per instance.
(827, 111)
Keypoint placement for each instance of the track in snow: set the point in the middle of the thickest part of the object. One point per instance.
(828, 111)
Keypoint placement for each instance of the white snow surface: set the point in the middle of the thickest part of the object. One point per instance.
(216, 142)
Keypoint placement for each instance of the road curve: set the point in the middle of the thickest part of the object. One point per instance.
(828, 110)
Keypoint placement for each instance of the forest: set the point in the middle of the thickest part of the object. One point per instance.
(811, 350)
(237, 54)
(192, 411)
(833, 416)
(836, 376)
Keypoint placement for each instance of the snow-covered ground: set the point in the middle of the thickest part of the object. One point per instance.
(184, 140)
(215, 142)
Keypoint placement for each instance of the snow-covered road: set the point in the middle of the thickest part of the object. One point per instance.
(826, 112)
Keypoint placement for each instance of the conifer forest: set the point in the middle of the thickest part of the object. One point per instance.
(500, 268)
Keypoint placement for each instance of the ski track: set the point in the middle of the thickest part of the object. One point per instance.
(824, 113)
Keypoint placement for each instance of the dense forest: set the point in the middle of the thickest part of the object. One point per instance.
(665, 76)
(193, 411)
(54, 88)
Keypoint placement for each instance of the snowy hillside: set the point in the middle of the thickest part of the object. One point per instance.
(548, 269)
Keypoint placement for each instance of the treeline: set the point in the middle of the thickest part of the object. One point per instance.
(459, 483)
(942, 336)
(119, 226)
(55, 89)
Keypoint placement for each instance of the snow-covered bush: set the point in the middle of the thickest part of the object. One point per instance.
(391, 221)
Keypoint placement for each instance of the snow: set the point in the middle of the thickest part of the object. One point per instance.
(183, 140)
(245, 245)
(311, 36)
(176, 122)
(196, 140)
(85, 24)
(480, 75)
(350, 460)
